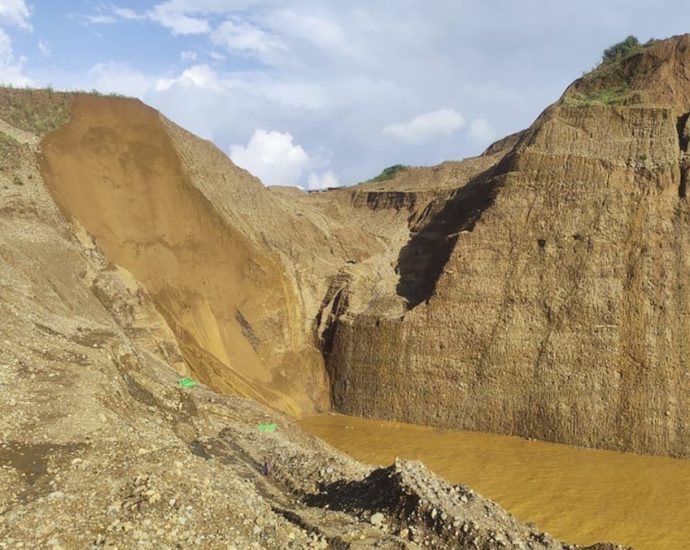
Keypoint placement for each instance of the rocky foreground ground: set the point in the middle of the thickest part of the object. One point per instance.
(183, 468)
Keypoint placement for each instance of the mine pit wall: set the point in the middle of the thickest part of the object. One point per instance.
(563, 314)
(384, 200)
(115, 170)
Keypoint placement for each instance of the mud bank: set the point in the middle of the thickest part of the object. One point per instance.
(576, 494)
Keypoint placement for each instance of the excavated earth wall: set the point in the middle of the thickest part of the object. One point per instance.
(562, 312)
(548, 296)
(538, 289)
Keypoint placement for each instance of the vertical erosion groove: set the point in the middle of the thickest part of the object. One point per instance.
(683, 141)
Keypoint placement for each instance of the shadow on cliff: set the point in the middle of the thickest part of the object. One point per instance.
(683, 127)
(422, 259)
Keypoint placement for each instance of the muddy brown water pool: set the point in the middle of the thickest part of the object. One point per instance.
(575, 494)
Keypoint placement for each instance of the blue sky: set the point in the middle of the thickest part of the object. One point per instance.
(318, 93)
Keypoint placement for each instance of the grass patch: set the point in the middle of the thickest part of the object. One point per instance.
(610, 83)
(614, 55)
(98, 93)
(630, 46)
(613, 96)
(390, 172)
(38, 111)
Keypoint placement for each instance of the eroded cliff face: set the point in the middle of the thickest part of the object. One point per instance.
(548, 297)
(538, 289)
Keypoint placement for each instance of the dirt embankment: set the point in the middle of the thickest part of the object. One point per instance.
(113, 168)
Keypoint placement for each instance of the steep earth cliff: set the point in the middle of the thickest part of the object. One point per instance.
(547, 295)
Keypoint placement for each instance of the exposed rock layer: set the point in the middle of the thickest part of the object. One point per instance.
(548, 297)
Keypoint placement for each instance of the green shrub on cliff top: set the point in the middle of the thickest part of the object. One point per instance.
(390, 172)
(623, 49)
(614, 96)
(609, 83)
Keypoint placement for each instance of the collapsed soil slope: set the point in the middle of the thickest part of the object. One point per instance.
(115, 170)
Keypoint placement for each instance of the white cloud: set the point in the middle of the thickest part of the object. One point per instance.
(171, 15)
(175, 19)
(258, 84)
(323, 181)
(120, 78)
(182, 17)
(44, 48)
(297, 94)
(6, 53)
(127, 13)
(246, 38)
(272, 157)
(101, 19)
(13, 75)
(188, 55)
(11, 69)
(199, 76)
(217, 7)
(320, 31)
(481, 131)
(423, 127)
(14, 12)
(107, 15)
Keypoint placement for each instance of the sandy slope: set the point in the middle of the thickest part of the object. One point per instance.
(115, 169)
